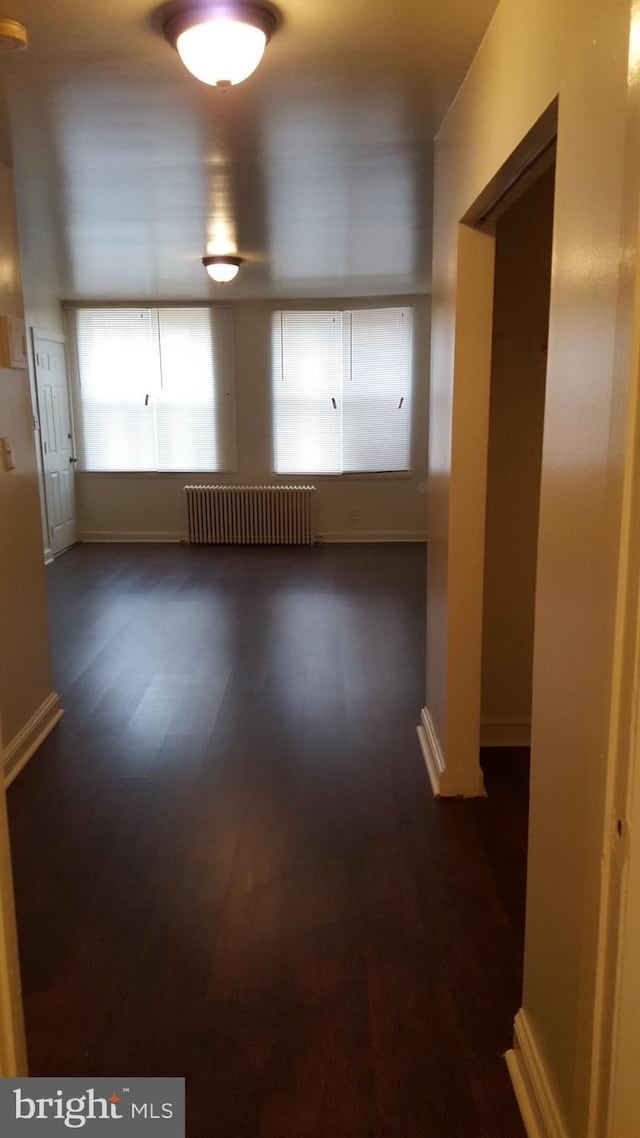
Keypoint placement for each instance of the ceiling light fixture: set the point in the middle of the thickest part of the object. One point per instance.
(222, 41)
(13, 35)
(222, 268)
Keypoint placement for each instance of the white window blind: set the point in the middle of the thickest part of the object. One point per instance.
(342, 391)
(153, 389)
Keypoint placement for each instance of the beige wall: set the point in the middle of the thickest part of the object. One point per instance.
(25, 676)
(393, 506)
(390, 506)
(518, 372)
(532, 54)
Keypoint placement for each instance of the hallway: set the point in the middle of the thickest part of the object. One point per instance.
(229, 864)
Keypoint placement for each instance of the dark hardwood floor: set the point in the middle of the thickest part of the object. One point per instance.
(229, 864)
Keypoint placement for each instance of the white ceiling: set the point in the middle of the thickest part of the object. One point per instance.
(317, 168)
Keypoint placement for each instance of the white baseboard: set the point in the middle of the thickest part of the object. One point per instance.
(431, 750)
(372, 535)
(516, 733)
(334, 536)
(531, 1084)
(443, 784)
(48, 556)
(18, 752)
(124, 536)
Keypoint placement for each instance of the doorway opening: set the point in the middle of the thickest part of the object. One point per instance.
(522, 283)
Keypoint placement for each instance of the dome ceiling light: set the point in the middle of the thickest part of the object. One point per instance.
(220, 42)
(222, 268)
(13, 35)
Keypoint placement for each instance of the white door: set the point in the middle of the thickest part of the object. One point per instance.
(57, 438)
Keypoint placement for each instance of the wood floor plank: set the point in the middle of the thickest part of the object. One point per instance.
(228, 862)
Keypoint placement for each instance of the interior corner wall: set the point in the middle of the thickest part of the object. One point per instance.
(350, 508)
(532, 55)
(25, 672)
(516, 416)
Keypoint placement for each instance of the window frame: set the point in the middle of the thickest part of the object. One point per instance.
(406, 474)
(227, 389)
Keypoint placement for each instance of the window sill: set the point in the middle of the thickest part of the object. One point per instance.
(181, 475)
(177, 474)
(352, 476)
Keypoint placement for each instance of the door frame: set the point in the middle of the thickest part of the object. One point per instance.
(619, 913)
(58, 338)
(449, 732)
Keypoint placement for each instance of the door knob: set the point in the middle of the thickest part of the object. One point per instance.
(73, 460)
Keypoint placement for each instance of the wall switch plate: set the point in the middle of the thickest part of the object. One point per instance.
(13, 344)
(6, 454)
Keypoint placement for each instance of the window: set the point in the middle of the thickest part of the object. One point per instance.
(152, 389)
(342, 391)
